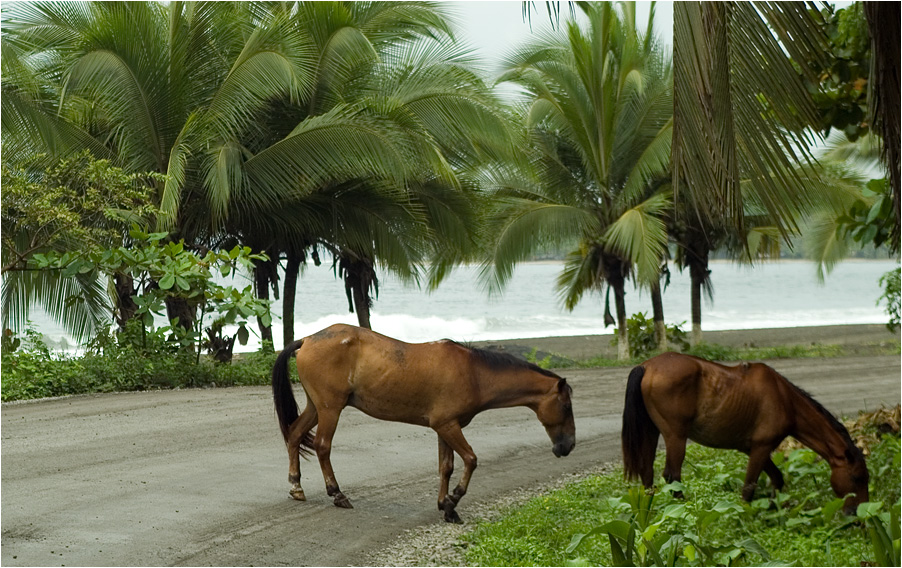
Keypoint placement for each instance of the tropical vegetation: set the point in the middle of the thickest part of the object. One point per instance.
(600, 521)
(364, 134)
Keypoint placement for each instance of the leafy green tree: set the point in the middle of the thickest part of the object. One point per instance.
(78, 204)
(598, 116)
(165, 270)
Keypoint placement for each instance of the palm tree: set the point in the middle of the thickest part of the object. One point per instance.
(381, 146)
(158, 88)
(598, 116)
(740, 118)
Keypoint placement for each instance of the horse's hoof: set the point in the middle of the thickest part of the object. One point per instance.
(452, 517)
(297, 494)
(341, 501)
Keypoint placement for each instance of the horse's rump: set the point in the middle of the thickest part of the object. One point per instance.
(639, 435)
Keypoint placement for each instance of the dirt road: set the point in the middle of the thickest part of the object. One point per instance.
(199, 477)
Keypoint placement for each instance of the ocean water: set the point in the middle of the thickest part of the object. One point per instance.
(774, 294)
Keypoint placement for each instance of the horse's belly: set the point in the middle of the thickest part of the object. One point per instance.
(393, 412)
(723, 438)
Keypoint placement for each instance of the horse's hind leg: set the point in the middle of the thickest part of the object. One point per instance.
(297, 433)
(673, 462)
(322, 443)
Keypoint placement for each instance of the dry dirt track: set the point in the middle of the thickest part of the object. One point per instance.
(199, 477)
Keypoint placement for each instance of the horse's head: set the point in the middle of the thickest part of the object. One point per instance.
(850, 475)
(555, 412)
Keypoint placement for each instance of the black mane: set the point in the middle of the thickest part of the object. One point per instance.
(831, 419)
(499, 361)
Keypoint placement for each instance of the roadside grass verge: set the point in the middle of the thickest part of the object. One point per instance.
(717, 352)
(40, 373)
(802, 526)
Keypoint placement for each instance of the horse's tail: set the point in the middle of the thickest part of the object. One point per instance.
(282, 395)
(639, 435)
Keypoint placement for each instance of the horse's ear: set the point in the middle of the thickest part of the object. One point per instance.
(562, 385)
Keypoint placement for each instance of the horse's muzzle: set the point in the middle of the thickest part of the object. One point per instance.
(563, 447)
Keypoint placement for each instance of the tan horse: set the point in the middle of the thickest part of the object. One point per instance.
(442, 385)
(749, 407)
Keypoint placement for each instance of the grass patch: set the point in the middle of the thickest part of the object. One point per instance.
(711, 525)
(716, 352)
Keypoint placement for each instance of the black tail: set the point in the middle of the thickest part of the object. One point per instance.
(282, 395)
(639, 435)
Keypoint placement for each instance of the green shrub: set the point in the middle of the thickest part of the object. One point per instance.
(122, 363)
(641, 332)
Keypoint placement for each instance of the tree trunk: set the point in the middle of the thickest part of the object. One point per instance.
(125, 299)
(657, 308)
(292, 270)
(696, 295)
(185, 312)
(362, 303)
(615, 272)
(266, 275)
(360, 277)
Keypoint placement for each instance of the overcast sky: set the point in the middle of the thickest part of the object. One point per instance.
(495, 27)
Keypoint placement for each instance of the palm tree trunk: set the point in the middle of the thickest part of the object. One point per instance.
(657, 308)
(623, 337)
(696, 295)
(359, 275)
(292, 270)
(362, 303)
(265, 275)
(125, 299)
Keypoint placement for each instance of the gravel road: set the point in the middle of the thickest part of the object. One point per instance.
(199, 477)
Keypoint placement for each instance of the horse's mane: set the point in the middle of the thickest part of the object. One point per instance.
(831, 419)
(500, 361)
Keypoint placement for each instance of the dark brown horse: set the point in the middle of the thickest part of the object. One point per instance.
(442, 385)
(749, 407)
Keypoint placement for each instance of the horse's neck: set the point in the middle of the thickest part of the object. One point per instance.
(512, 388)
(816, 431)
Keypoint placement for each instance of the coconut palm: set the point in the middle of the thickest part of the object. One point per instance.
(158, 88)
(598, 115)
(413, 98)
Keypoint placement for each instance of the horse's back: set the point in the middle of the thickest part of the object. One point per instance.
(713, 404)
(381, 376)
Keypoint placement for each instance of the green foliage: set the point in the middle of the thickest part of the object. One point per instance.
(803, 525)
(170, 270)
(639, 535)
(121, 363)
(893, 297)
(841, 91)
(79, 203)
(642, 336)
(868, 219)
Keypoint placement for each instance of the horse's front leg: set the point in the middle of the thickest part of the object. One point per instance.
(773, 472)
(445, 469)
(453, 437)
(759, 459)
(322, 443)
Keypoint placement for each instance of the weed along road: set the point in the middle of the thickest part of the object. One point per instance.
(199, 477)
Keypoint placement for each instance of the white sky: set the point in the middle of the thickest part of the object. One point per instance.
(495, 27)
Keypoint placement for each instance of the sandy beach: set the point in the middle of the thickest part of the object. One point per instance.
(853, 338)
